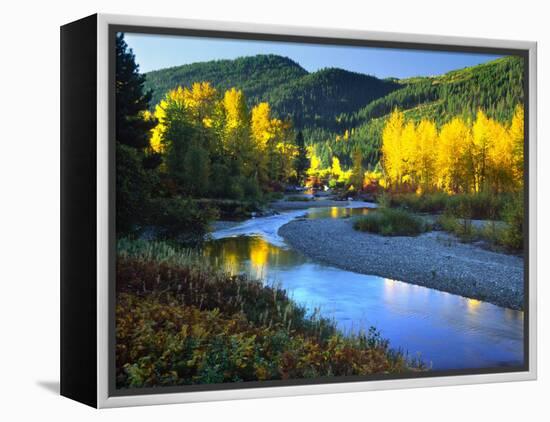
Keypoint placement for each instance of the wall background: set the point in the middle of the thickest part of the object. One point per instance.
(29, 177)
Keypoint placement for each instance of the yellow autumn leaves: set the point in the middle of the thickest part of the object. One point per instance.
(461, 156)
(262, 143)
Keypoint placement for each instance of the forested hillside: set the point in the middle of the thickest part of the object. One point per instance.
(495, 87)
(309, 99)
(316, 100)
(254, 75)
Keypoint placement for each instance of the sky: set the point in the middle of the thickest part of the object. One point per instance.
(160, 51)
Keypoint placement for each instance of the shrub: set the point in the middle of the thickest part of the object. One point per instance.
(507, 234)
(461, 227)
(390, 222)
(513, 213)
(180, 220)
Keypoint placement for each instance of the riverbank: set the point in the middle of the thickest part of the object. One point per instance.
(434, 259)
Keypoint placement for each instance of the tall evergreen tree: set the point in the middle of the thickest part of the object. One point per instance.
(134, 182)
(132, 101)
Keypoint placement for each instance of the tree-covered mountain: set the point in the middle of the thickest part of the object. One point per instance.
(316, 99)
(309, 99)
(496, 87)
(254, 75)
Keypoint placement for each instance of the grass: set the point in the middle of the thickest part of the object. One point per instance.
(180, 321)
(390, 222)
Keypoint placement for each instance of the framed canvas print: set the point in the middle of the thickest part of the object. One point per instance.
(254, 211)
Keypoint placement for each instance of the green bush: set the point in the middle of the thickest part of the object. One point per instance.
(513, 213)
(180, 220)
(390, 222)
(461, 227)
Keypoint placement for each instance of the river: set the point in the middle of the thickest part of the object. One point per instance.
(445, 330)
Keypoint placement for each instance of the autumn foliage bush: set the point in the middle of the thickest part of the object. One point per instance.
(180, 321)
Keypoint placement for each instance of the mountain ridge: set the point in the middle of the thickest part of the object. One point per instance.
(310, 98)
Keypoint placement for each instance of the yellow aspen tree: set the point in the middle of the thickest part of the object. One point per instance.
(391, 147)
(336, 169)
(451, 157)
(426, 141)
(201, 100)
(481, 144)
(313, 172)
(406, 155)
(517, 137)
(261, 124)
(261, 132)
(500, 158)
(236, 141)
(282, 150)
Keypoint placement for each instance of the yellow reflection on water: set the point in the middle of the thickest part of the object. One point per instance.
(473, 304)
(389, 288)
(334, 212)
(231, 262)
(259, 254)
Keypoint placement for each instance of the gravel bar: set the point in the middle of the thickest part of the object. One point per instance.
(434, 259)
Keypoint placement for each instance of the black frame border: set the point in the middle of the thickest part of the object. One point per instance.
(78, 211)
(113, 29)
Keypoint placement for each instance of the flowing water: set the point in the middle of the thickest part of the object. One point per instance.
(446, 330)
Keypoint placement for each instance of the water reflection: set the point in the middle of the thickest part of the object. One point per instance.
(337, 212)
(251, 255)
(450, 331)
